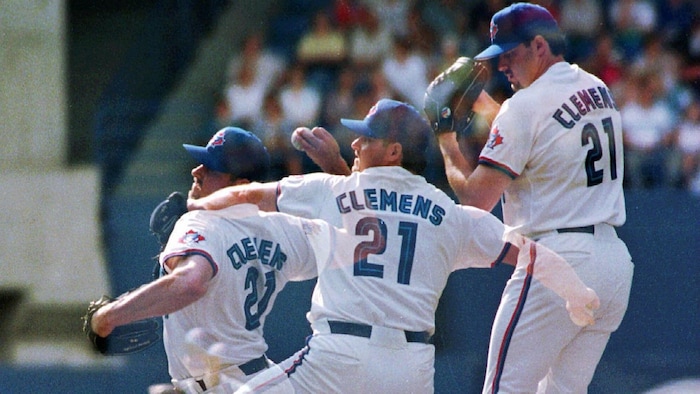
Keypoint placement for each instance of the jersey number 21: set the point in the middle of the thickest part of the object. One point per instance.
(407, 231)
(590, 134)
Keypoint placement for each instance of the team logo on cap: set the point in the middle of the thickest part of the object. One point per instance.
(372, 110)
(191, 237)
(495, 138)
(217, 139)
(493, 29)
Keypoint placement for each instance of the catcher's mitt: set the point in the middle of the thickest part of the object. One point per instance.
(125, 339)
(165, 215)
(451, 95)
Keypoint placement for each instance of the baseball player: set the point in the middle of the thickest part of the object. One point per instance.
(373, 307)
(554, 159)
(222, 272)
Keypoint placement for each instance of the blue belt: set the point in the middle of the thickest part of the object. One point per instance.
(365, 331)
(585, 229)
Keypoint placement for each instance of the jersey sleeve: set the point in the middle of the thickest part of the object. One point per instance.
(302, 195)
(510, 140)
(192, 235)
(483, 245)
(301, 261)
(321, 237)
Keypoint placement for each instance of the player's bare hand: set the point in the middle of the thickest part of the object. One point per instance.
(581, 309)
(322, 148)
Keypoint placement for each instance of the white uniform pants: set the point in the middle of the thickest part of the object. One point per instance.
(534, 346)
(337, 363)
(224, 381)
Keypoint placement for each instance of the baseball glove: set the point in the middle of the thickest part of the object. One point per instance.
(165, 215)
(129, 338)
(451, 95)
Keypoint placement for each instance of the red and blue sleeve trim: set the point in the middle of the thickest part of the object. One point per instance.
(498, 166)
(199, 252)
(279, 191)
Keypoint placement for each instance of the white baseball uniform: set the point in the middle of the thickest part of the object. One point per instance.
(253, 255)
(560, 140)
(373, 308)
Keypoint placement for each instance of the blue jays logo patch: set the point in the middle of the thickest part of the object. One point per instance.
(495, 138)
(217, 139)
(191, 237)
(493, 29)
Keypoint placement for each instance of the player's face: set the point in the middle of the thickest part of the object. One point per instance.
(369, 152)
(206, 182)
(517, 66)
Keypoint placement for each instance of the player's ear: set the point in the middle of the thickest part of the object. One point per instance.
(539, 44)
(394, 152)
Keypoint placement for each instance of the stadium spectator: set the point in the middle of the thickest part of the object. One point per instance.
(338, 102)
(406, 72)
(606, 61)
(371, 88)
(675, 21)
(691, 68)
(647, 125)
(393, 13)
(243, 98)
(322, 50)
(443, 16)
(688, 142)
(347, 13)
(369, 42)
(630, 21)
(275, 131)
(655, 57)
(581, 21)
(268, 65)
(301, 102)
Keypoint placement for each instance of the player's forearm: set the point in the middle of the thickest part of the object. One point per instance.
(457, 168)
(555, 273)
(333, 165)
(261, 194)
(161, 297)
(552, 271)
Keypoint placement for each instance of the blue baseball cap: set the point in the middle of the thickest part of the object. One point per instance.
(517, 24)
(391, 120)
(396, 121)
(234, 151)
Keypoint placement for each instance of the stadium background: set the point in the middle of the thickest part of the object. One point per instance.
(77, 75)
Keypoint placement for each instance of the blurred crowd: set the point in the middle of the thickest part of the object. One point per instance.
(349, 53)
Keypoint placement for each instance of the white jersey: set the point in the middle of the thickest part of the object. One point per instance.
(253, 255)
(404, 238)
(572, 113)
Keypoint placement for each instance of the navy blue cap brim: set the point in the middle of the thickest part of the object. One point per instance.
(359, 127)
(496, 50)
(202, 156)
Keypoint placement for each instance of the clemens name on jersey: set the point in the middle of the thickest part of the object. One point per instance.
(584, 101)
(390, 201)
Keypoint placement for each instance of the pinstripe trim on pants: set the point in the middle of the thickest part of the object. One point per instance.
(503, 352)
